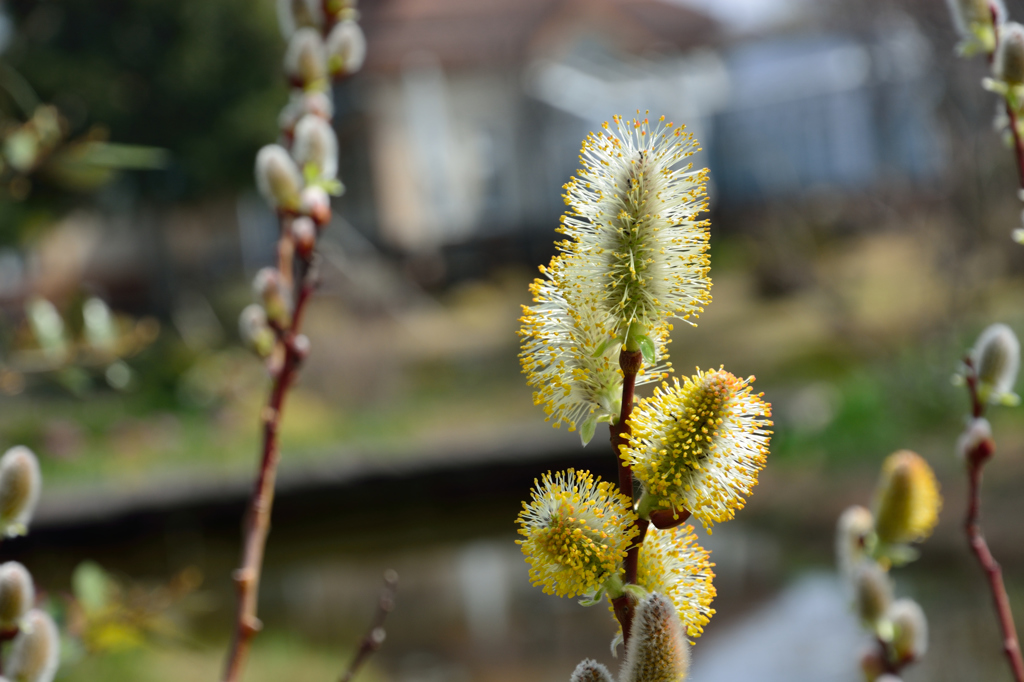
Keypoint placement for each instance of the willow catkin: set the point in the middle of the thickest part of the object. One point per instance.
(657, 649)
(20, 482)
(17, 594)
(36, 650)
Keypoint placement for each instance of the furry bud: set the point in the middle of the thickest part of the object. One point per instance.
(317, 103)
(907, 501)
(852, 531)
(1009, 62)
(590, 671)
(316, 204)
(254, 330)
(36, 650)
(974, 22)
(304, 233)
(872, 592)
(305, 61)
(316, 147)
(657, 649)
(270, 290)
(996, 358)
(17, 594)
(346, 49)
(979, 431)
(910, 629)
(294, 14)
(278, 178)
(20, 483)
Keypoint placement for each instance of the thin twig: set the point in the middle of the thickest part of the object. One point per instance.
(257, 526)
(375, 635)
(976, 460)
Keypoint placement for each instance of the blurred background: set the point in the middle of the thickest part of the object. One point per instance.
(861, 213)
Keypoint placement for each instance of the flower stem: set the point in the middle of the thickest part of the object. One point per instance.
(257, 525)
(630, 361)
(976, 460)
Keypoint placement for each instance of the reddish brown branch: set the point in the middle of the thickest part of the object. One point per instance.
(375, 635)
(630, 362)
(257, 524)
(976, 460)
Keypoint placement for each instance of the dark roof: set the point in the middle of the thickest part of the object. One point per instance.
(466, 33)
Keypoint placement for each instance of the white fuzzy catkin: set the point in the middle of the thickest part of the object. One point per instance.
(854, 526)
(17, 594)
(278, 178)
(35, 653)
(316, 145)
(305, 60)
(590, 671)
(294, 14)
(872, 591)
(978, 431)
(20, 482)
(1009, 62)
(657, 649)
(270, 291)
(317, 103)
(346, 48)
(968, 13)
(996, 357)
(910, 629)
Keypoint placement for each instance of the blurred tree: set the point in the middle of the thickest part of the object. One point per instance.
(198, 78)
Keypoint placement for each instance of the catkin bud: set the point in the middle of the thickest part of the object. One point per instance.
(979, 431)
(304, 233)
(590, 671)
(1009, 62)
(293, 14)
(973, 20)
(316, 147)
(317, 103)
(910, 629)
(305, 61)
(852, 531)
(316, 204)
(20, 482)
(278, 178)
(996, 358)
(36, 650)
(270, 290)
(657, 649)
(346, 49)
(872, 592)
(907, 501)
(254, 330)
(17, 594)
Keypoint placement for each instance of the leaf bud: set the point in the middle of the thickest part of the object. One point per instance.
(17, 594)
(910, 629)
(278, 178)
(1008, 65)
(872, 592)
(590, 671)
(316, 203)
(35, 653)
(305, 60)
(255, 331)
(346, 48)
(315, 148)
(304, 233)
(20, 483)
(657, 649)
(996, 358)
(270, 290)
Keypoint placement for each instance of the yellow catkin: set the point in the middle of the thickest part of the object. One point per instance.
(576, 530)
(700, 444)
(907, 501)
